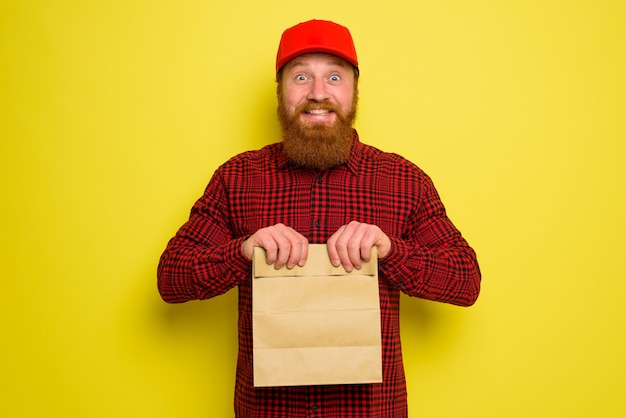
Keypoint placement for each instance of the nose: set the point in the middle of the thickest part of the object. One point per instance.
(318, 91)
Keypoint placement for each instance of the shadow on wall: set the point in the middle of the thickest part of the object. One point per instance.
(430, 327)
(214, 318)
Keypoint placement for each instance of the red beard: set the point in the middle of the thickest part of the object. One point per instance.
(317, 146)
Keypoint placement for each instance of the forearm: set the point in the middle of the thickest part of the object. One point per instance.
(447, 273)
(189, 271)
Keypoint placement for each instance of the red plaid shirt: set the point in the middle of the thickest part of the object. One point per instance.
(429, 259)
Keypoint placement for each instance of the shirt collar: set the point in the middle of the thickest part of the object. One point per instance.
(356, 154)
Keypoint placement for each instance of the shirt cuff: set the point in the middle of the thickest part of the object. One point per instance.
(391, 265)
(238, 261)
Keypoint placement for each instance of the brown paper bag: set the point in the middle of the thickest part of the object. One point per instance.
(317, 324)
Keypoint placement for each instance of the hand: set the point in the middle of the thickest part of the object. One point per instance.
(352, 244)
(283, 246)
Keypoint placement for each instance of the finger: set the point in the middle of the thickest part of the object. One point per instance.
(280, 235)
(374, 237)
(292, 247)
(371, 234)
(354, 245)
(347, 246)
(298, 248)
(331, 247)
(267, 238)
(271, 249)
(302, 243)
(366, 250)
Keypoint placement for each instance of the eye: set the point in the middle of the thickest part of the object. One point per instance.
(335, 78)
(299, 78)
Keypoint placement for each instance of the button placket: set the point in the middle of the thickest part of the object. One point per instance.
(317, 206)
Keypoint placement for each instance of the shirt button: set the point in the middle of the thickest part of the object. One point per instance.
(319, 179)
(318, 224)
(314, 408)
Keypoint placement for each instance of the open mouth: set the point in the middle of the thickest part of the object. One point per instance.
(318, 112)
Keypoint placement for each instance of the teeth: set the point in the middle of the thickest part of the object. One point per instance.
(318, 112)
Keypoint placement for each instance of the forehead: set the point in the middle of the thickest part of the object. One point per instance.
(317, 58)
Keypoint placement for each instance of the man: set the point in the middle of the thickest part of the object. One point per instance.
(320, 185)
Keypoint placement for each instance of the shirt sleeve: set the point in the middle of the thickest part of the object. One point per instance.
(432, 260)
(203, 259)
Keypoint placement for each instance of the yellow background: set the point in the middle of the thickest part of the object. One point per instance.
(114, 115)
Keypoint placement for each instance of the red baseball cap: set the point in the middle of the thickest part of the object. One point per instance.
(316, 36)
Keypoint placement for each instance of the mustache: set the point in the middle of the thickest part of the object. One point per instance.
(314, 105)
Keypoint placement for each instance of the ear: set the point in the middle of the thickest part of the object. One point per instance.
(279, 88)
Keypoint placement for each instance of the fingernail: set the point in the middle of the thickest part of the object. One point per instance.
(335, 263)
